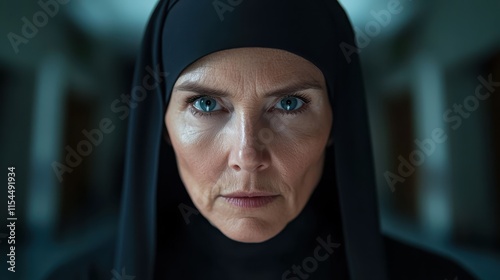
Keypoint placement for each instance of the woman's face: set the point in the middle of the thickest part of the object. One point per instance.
(249, 128)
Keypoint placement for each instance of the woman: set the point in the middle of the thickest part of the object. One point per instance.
(249, 157)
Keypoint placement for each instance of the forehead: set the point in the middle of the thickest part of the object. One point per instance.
(258, 67)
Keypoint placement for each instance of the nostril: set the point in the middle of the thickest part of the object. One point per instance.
(236, 167)
(261, 167)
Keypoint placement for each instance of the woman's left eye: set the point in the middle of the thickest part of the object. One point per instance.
(289, 103)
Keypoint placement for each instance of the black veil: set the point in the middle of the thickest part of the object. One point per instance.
(179, 33)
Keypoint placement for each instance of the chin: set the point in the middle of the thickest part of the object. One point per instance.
(250, 230)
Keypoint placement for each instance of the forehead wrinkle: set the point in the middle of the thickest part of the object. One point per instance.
(222, 73)
(201, 82)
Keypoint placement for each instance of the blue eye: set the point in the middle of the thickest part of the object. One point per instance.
(290, 103)
(206, 104)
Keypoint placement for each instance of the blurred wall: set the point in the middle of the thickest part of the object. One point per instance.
(435, 134)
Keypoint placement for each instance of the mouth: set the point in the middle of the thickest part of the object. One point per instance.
(250, 199)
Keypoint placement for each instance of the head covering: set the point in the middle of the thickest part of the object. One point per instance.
(181, 32)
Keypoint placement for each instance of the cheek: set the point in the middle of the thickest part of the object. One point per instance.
(299, 154)
(300, 144)
(299, 163)
(199, 158)
(193, 141)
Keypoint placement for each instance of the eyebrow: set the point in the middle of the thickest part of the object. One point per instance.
(283, 91)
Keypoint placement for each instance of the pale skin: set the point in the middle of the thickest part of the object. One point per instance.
(250, 120)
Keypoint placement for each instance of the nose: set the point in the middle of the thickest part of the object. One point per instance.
(248, 152)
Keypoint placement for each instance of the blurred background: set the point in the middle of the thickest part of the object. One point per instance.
(435, 121)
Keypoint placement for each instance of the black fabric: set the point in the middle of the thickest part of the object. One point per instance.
(179, 33)
(405, 262)
(203, 252)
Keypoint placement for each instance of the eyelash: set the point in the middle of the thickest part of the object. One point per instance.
(190, 100)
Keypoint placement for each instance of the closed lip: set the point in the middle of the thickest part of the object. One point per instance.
(243, 194)
(249, 200)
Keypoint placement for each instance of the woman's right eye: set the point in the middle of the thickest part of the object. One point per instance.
(206, 104)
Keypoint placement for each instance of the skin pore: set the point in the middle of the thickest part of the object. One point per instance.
(253, 121)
